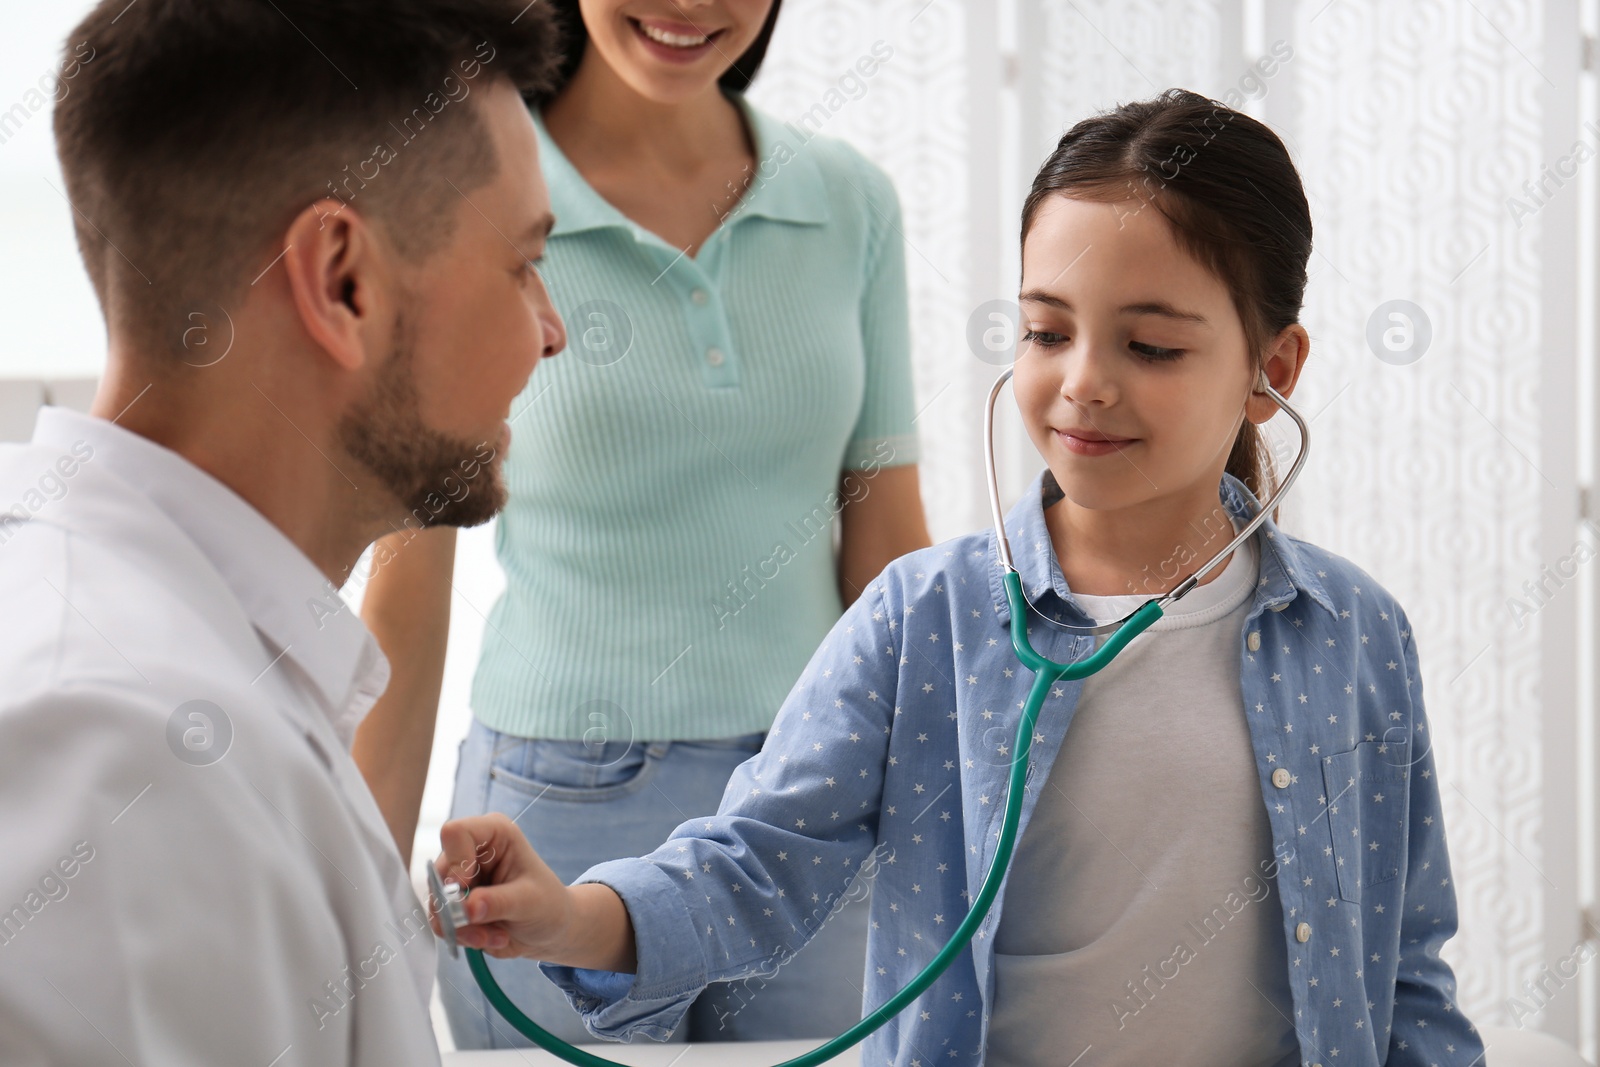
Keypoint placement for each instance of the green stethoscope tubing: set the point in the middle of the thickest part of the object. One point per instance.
(1047, 673)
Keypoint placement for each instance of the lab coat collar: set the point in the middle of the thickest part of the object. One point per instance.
(787, 184)
(292, 605)
(1284, 568)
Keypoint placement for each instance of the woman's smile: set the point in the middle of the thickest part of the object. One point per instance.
(672, 41)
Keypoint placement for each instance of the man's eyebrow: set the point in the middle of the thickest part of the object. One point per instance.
(1154, 307)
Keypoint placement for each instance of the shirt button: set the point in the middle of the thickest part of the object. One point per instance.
(1280, 607)
(1253, 642)
(1280, 778)
(714, 356)
(699, 296)
(1302, 933)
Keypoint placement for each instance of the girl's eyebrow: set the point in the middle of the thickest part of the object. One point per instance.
(1153, 307)
(1164, 309)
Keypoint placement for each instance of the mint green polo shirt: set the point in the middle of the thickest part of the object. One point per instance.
(674, 473)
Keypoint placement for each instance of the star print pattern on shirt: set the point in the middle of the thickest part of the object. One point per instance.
(889, 760)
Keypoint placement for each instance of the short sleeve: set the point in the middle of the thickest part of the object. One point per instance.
(884, 435)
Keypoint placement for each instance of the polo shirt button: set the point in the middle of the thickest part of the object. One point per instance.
(1280, 778)
(714, 356)
(1302, 933)
(1253, 642)
(1280, 607)
(699, 296)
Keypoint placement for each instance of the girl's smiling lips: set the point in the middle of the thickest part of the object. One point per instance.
(1092, 442)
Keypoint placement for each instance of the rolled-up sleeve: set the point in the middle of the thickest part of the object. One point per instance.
(672, 969)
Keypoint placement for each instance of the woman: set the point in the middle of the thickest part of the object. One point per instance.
(737, 376)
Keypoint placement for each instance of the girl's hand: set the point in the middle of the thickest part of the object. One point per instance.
(517, 907)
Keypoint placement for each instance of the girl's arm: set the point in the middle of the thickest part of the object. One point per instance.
(518, 907)
(881, 521)
(733, 895)
(407, 607)
(1428, 1026)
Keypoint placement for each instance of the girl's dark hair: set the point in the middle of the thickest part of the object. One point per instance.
(1226, 185)
(575, 39)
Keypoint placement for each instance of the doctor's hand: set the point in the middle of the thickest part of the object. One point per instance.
(518, 907)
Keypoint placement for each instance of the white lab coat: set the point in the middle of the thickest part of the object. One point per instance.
(158, 905)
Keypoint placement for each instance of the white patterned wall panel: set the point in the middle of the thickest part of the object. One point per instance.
(1412, 123)
(1095, 55)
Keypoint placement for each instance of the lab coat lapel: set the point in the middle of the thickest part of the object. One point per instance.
(101, 507)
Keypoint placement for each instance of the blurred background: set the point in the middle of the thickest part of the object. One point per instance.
(1448, 149)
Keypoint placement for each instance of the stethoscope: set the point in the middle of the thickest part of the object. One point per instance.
(450, 897)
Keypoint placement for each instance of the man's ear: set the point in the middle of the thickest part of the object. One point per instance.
(1285, 358)
(337, 272)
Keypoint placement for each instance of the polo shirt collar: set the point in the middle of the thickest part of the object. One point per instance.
(1285, 568)
(787, 184)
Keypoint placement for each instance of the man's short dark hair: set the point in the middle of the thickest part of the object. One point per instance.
(201, 128)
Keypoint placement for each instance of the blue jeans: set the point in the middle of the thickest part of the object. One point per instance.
(582, 803)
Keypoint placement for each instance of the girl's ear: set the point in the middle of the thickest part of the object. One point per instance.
(1285, 358)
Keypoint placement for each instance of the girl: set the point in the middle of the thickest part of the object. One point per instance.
(738, 374)
(1231, 849)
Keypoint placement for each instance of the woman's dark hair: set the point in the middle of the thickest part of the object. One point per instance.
(1226, 185)
(575, 39)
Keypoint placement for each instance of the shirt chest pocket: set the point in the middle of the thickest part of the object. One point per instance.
(1368, 790)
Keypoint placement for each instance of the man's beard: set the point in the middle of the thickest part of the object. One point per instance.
(441, 480)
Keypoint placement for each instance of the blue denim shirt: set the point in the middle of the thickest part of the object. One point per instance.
(890, 758)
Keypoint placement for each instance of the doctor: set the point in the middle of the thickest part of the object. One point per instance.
(311, 228)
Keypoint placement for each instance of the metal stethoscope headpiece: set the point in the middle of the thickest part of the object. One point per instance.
(1182, 588)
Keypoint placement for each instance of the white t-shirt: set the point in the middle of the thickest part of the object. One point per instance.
(1139, 925)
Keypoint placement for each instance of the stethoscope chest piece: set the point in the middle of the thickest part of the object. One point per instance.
(450, 901)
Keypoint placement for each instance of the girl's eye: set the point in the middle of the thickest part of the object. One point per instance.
(1042, 338)
(1154, 354)
(530, 267)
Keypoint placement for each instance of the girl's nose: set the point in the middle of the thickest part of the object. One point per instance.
(1088, 377)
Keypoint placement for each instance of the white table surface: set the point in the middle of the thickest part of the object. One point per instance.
(1508, 1048)
(651, 1054)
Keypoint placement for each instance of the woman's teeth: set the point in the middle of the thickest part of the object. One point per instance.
(673, 40)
